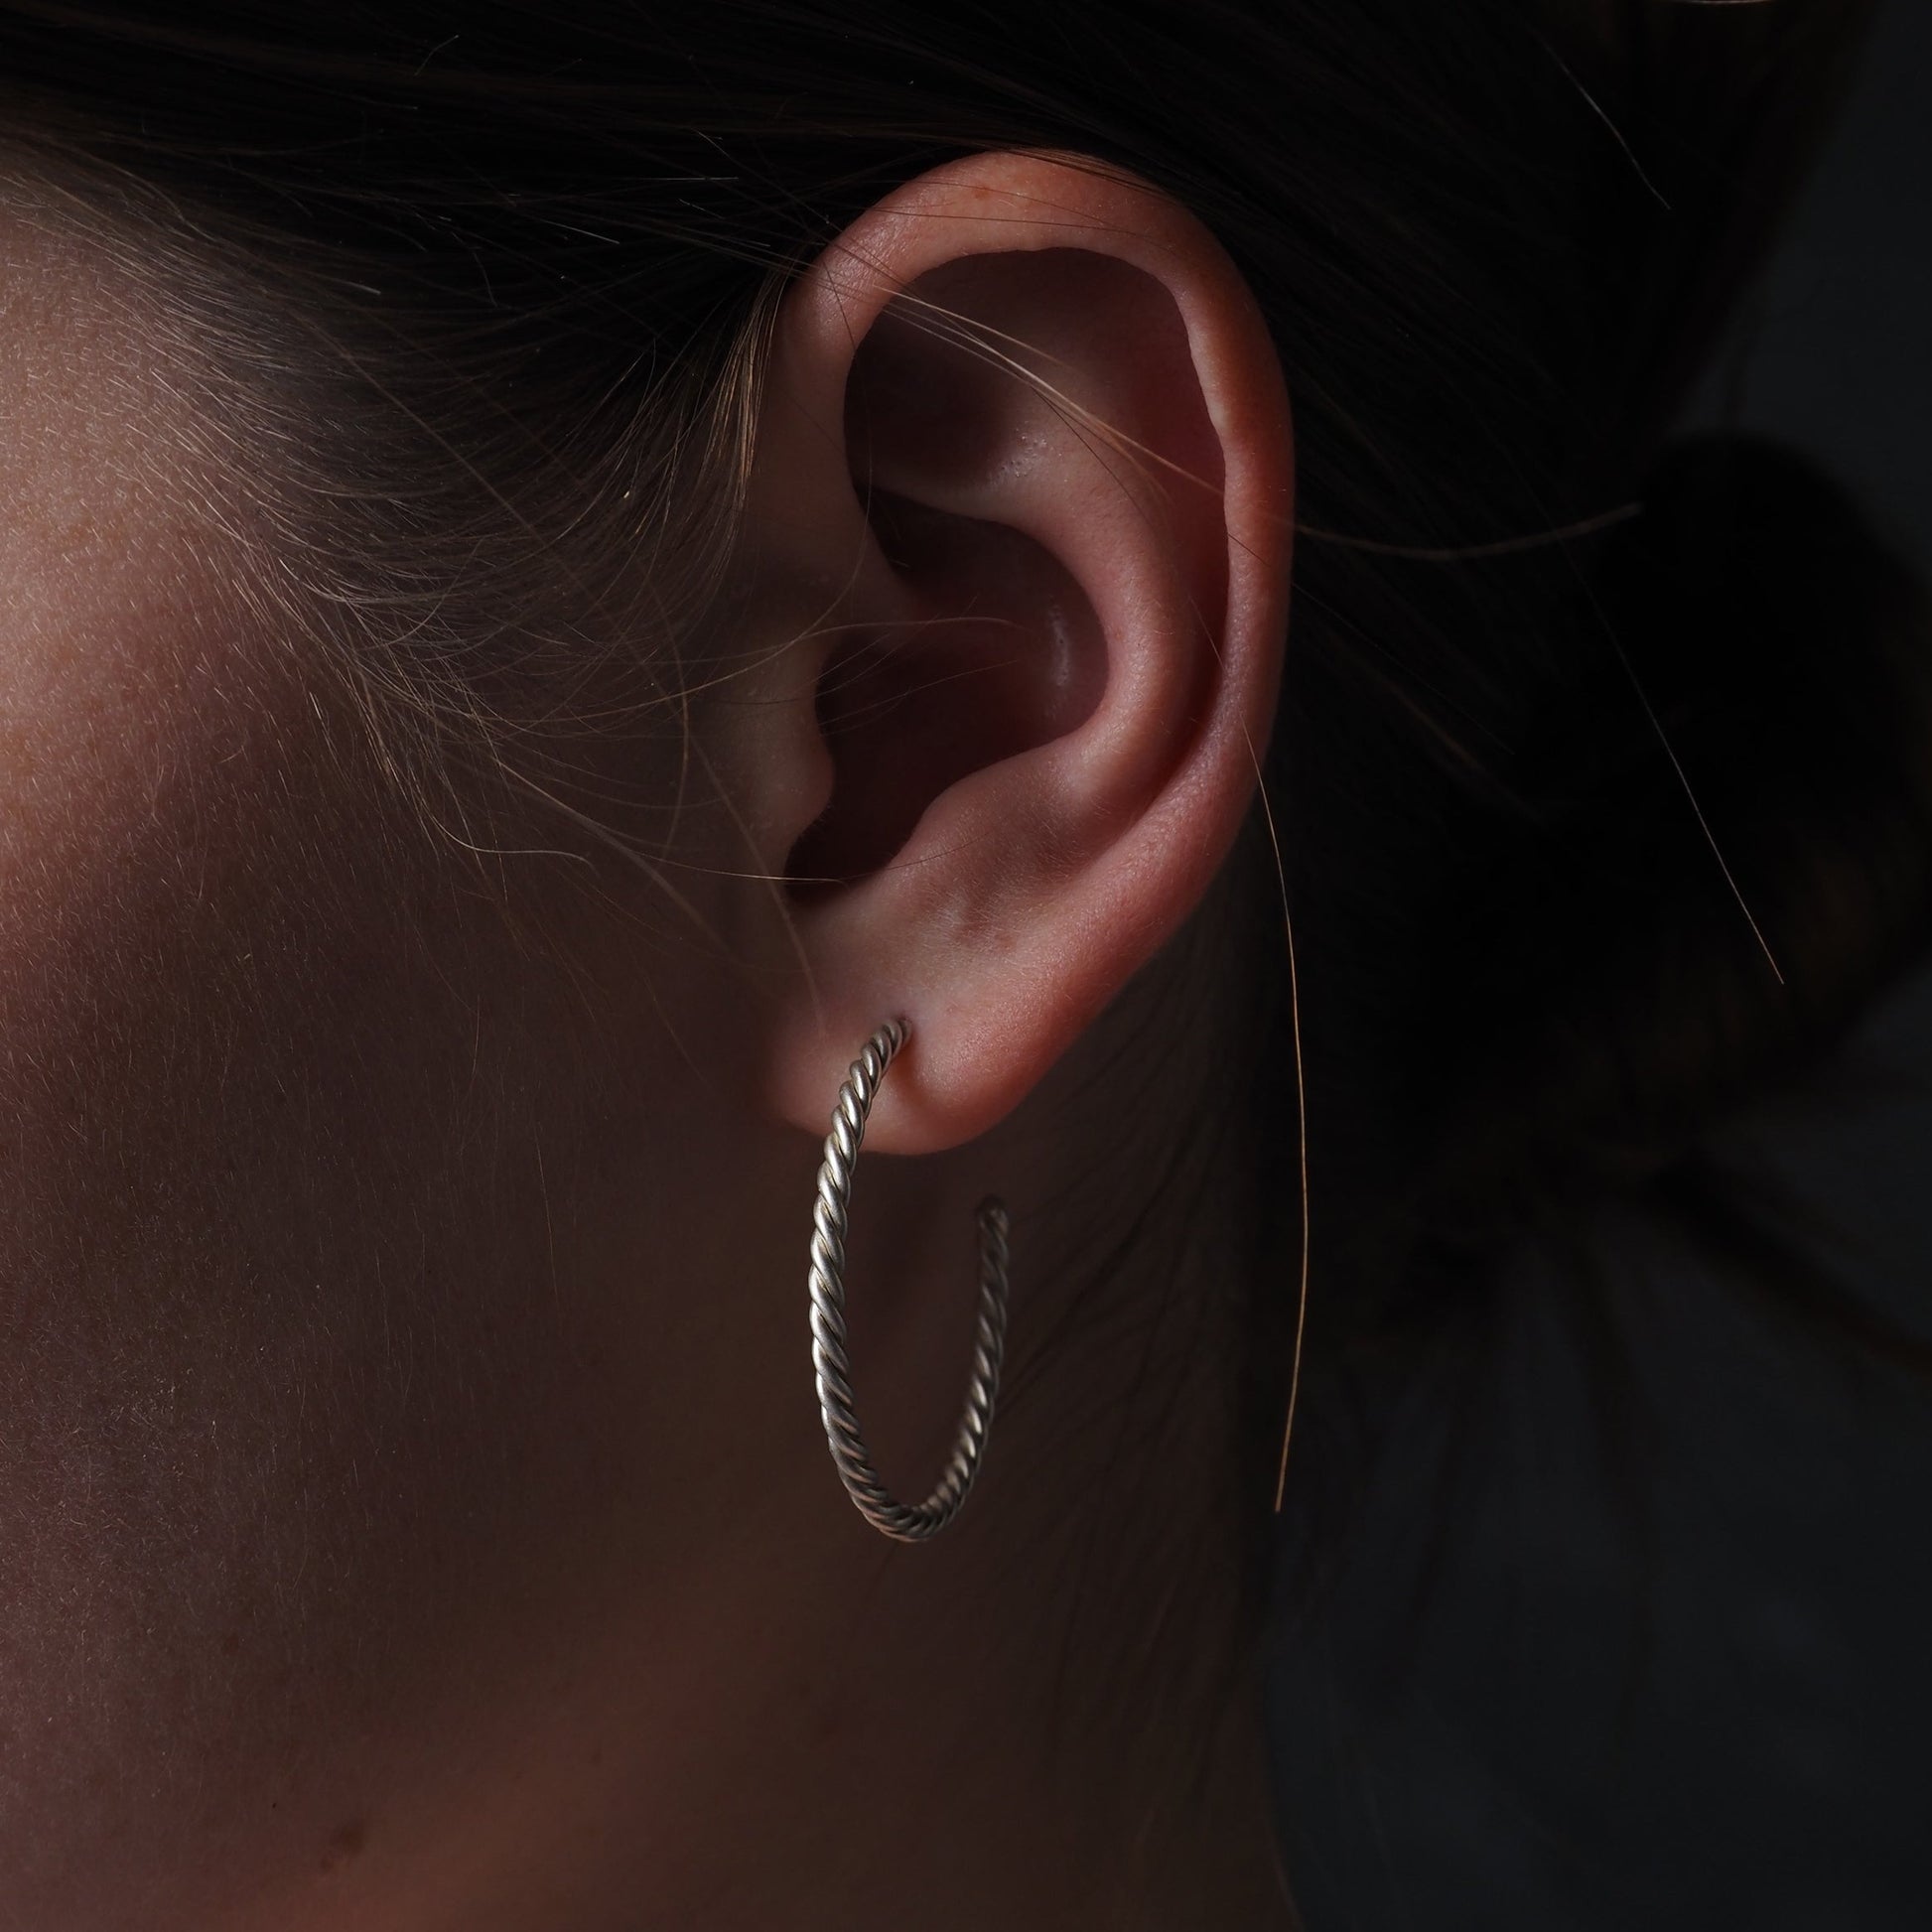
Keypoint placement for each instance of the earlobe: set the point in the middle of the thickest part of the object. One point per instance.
(1023, 491)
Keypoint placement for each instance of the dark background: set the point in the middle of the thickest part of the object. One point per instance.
(1679, 1673)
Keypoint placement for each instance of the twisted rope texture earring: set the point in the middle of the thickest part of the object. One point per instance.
(905, 1522)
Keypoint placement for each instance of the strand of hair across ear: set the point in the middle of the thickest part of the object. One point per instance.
(946, 325)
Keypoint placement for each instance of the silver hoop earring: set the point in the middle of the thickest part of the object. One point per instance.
(906, 1522)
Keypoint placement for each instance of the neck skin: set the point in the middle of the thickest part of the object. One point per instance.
(882, 1737)
(807, 1725)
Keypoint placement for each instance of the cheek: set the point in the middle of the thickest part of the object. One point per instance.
(235, 1236)
(341, 1222)
(298, 1378)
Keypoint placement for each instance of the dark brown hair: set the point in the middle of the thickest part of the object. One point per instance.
(1595, 825)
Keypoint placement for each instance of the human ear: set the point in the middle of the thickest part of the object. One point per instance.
(1021, 500)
